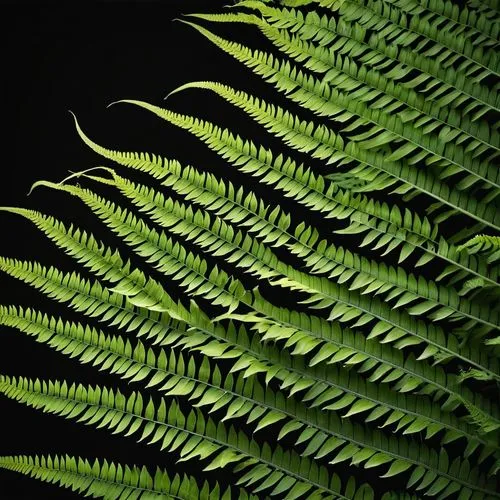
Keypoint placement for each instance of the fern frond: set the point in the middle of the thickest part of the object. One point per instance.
(219, 350)
(384, 365)
(110, 481)
(262, 162)
(373, 49)
(167, 256)
(357, 83)
(321, 142)
(463, 18)
(94, 300)
(298, 182)
(347, 348)
(459, 265)
(482, 243)
(159, 422)
(172, 375)
(428, 116)
(175, 261)
(125, 224)
(272, 226)
(311, 190)
(378, 365)
(111, 268)
(397, 28)
(320, 257)
(264, 112)
(311, 342)
(394, 325)
(140, 291)
(191, 436)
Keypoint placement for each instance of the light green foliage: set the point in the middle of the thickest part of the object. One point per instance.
(384, 364)
(111, 480)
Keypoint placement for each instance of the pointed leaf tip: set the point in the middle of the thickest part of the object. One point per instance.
(112, 104)
(126, 101)
(181, 88)
(34, 186)
(120, 101)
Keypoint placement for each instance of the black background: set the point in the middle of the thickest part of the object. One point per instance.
(82, 57)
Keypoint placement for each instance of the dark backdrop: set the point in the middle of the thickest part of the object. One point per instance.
(82, 57)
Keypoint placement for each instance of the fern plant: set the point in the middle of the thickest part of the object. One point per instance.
(382, 361)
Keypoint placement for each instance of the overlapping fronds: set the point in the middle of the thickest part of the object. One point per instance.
(272, 226)
(179, 377)
(489, 245)
(385, 358)
(193, 435)
(175, 261)
(372, 49)
(388, 227)
(169, 427)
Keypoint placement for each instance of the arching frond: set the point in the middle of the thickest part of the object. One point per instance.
(321, 142)
(94, 300)
(173, 375)
(343, 265)
(419, 117)
(361, 330)
(251, 213)
(109, 480)
(175, 261)
(373, 49)
(335, 393)
(175, 431)
(289, 332)
(261, 163)
(482, 243)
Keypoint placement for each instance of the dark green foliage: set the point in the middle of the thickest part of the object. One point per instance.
(378, 361)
